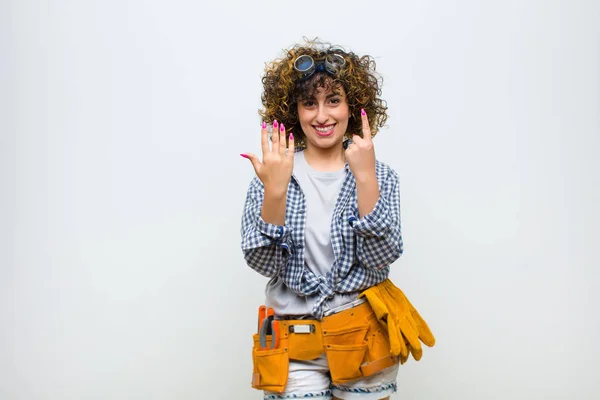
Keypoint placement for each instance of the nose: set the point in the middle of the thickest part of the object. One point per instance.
(322, 115)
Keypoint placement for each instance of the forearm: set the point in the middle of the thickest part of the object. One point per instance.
(379, 238)
(265, 245)
(367, 192)
(273, 208)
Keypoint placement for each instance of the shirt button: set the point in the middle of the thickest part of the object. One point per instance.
(279, 231)
(352, 220)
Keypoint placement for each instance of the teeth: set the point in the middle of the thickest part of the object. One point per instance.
(326, 129)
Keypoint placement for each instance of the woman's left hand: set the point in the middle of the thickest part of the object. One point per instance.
(361, 153)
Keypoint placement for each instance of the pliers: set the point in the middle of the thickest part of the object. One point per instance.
(268, 326)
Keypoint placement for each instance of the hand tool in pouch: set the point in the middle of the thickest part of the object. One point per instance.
(262, 313)
(275, 332)
(268, 327)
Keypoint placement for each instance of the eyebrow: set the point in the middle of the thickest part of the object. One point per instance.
(326, 97)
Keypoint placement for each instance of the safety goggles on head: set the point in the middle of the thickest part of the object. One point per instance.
(307, 66)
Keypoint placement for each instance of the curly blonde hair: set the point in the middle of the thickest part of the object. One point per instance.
(283, 88)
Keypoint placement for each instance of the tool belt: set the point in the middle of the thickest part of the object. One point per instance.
(355, 343)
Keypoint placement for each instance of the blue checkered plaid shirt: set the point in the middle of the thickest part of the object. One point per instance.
(363, 247)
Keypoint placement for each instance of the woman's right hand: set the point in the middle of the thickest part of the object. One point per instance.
(275, 170)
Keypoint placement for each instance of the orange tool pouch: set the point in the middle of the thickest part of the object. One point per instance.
(355, 344)
(270, 366)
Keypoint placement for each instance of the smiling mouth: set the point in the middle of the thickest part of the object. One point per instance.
(324, 130)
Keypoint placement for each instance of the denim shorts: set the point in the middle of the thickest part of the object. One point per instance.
(310, 379)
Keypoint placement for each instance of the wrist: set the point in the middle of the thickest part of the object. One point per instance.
(365, 177)
(275, 194)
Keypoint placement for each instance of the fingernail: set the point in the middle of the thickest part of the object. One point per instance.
(275, 124)
(281, 128)
(291, 136)
(244, 155)
(362, 112)
(264, 125)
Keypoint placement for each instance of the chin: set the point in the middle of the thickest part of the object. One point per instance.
(327, 143)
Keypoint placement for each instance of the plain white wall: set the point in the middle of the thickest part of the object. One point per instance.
(121, 126)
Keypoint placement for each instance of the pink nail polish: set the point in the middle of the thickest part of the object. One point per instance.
(282, 128)
(362, 112)
(264, 125)
(244, 155)
(275, 124)
(291, 136)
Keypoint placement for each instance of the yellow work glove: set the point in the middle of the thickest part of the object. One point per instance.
(382, 312)
(425, 334)
(416, 323)
(400, 312)
(405, 326)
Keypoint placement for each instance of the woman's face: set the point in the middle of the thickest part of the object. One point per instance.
(324, 117)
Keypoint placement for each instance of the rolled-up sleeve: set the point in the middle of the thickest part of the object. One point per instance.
(378, 234)
(266, 247)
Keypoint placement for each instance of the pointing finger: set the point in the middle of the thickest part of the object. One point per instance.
(366, 129)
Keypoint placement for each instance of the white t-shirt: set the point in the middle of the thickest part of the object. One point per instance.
(321, 190)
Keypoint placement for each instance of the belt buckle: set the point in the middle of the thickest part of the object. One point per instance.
(303, 328)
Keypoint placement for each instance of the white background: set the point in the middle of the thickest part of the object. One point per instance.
(121, 275)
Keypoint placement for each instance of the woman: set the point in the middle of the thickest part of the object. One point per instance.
(322, 220)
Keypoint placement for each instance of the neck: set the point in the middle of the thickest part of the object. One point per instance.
(331, 159)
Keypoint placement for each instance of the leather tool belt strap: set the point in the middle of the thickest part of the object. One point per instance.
(354, 342)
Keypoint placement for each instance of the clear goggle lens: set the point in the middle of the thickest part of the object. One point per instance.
(306, 64)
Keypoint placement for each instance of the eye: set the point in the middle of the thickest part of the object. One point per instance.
(336, 100)
(308, 103)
